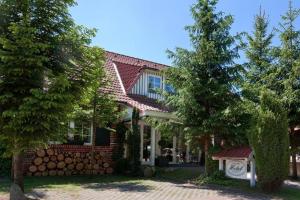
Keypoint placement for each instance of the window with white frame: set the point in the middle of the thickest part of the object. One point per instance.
(80, 132)
(154, 83)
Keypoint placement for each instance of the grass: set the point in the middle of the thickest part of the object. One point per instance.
(177, 175)
(66, 183)
(286, 193)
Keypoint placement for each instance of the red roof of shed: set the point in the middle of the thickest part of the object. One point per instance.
(236, 152)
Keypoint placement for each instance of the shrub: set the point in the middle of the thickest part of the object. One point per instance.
(269, 139)
(212, 165)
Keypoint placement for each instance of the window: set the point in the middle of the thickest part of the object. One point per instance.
(80, 132)
(154, 83)
(169, 88)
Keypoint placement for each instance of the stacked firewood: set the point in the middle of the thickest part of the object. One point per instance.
(51, 162)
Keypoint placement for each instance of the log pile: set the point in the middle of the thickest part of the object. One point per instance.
(51, 162)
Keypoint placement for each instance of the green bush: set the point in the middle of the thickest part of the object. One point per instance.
(269, 139)
(212, 165)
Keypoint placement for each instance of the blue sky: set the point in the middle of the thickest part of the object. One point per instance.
(147, 28)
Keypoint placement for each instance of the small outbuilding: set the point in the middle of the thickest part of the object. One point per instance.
(236, 161)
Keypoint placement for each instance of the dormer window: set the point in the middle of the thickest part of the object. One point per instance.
(154, 83)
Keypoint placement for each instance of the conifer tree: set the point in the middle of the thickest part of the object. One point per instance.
(268, 132)
(288, 72)
(260, 66)
(204, 76)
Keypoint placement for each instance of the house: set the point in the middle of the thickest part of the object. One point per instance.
(133, 83)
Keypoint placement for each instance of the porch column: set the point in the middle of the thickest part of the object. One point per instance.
(142, 140)
(174, 149)
(187, 152)
(221, 165)
(152, 154)
(252, 173)
(157, 147)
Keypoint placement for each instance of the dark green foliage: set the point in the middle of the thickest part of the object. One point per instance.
(118, 152)
(270, 141)
(210, 164)
(122, 166)
(288, 72)
(266, 102)
(45, 67)
(204, 78)
(5, 162)
(133, 143)
(260, 66)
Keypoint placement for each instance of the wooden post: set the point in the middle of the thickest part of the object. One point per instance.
(252, 173)
(221, 165)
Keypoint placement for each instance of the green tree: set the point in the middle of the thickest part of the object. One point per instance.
(287, 74)
(96, 106)
(260, 66)
(44, 68)
(204, 76)
(269, 138)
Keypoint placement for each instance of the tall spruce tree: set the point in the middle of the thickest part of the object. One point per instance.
(203, 77)
(44, 67)
(288, 73)
(268, 133)
(260, 59)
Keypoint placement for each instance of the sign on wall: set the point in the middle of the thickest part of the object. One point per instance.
(236, 169)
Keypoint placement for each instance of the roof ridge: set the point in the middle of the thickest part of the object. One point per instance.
(136, 58)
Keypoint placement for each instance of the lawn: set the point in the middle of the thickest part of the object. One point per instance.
(67, 183)
(194, 176)
(286, 193)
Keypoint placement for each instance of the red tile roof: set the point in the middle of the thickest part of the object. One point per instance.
(236, 152)
(128, 73)
(129, 69)
(116, 57)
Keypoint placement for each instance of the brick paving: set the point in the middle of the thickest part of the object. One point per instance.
(144, 190)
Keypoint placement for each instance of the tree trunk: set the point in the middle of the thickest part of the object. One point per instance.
(12, 169)
(18, 170)
(206, 147)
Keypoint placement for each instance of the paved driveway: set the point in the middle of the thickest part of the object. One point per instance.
(144, 190)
